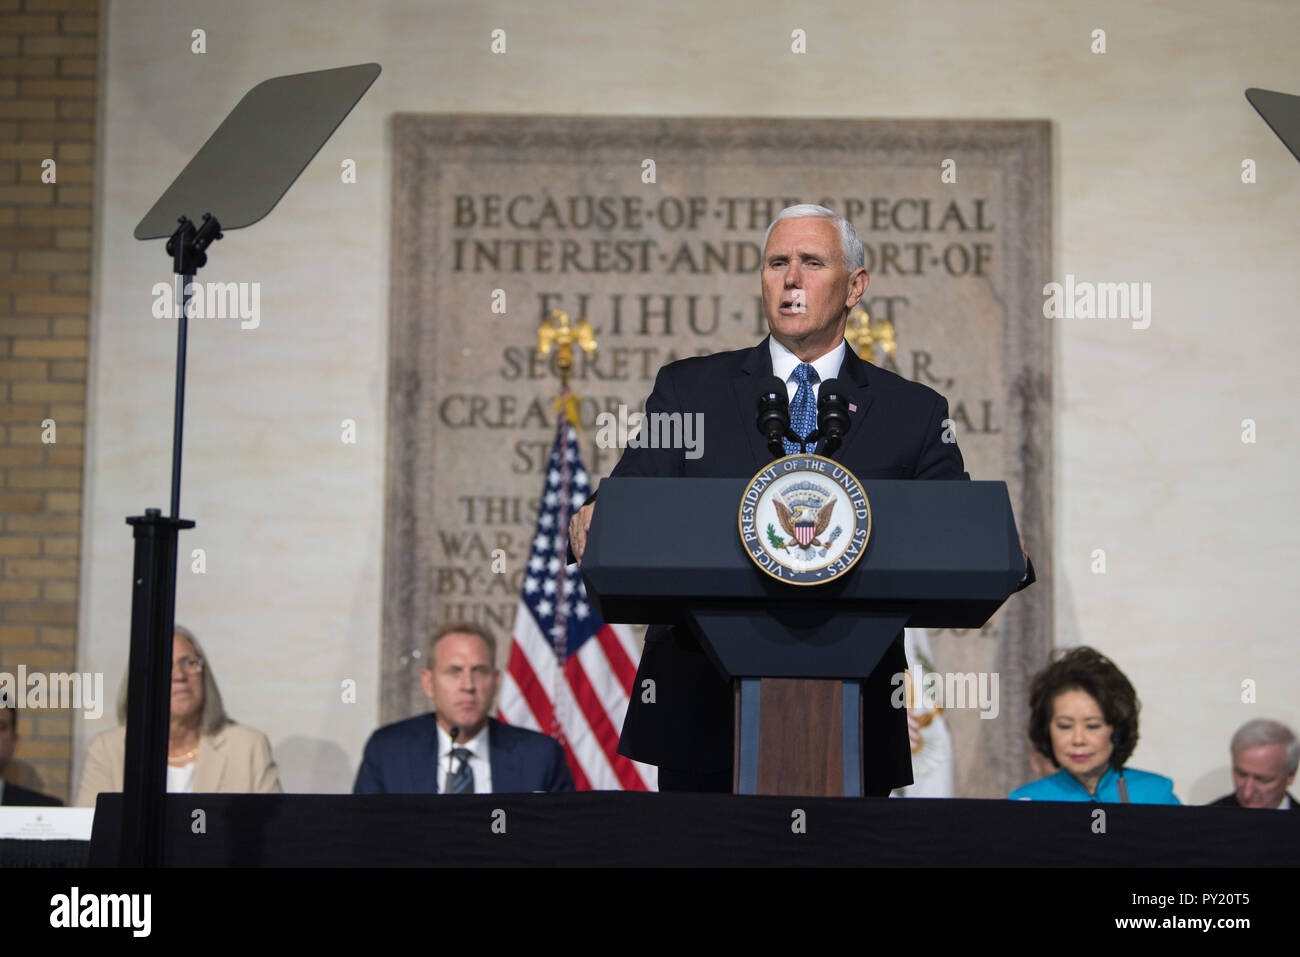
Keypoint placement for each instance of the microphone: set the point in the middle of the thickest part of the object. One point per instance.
(1121, 784)
(454, 731)
(773, 413)
(832, 415)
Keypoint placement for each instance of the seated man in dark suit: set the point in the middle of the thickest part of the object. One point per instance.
(458, 749)
(12, 794)
(1264, 759)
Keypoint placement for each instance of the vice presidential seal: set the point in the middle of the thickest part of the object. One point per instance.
(804, 519)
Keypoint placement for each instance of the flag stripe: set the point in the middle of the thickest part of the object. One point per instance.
(609, 690)
(619, 662)
(569, 674)
(585, 744)
(613, 696)
(604, 731)
(512, 709)
(628, 641)
(539, 706)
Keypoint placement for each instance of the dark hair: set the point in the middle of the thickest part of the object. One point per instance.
(7, 703)
(1085, 669)
(462, 628)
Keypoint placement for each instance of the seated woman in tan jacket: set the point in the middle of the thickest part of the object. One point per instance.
(207, 752)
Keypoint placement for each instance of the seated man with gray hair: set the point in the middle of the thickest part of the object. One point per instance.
(1264, 758)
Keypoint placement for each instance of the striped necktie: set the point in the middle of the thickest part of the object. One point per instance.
(460, 780)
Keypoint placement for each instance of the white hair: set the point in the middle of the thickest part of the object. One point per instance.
(1261, 731)
(850, 244)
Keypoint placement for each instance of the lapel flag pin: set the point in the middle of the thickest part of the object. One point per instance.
(852, 407)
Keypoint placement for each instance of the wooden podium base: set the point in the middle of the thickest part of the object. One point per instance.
(798, 736)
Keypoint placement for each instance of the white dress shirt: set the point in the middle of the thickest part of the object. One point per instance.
(181, 780)
(479, 761)
(784, 363)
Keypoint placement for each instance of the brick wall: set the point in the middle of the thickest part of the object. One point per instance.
(48, 51)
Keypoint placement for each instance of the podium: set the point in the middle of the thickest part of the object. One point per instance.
(667, 551)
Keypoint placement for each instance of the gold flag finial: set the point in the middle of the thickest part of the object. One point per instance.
(559, 332)
(864, 333)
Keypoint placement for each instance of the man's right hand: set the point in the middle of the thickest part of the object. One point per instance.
(578, 525)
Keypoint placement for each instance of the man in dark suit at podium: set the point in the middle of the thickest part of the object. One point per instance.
(458, 749)
(12, 794)
(812, 276)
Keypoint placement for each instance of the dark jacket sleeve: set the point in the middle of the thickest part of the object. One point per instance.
(1030, 577)
(646, 462)
(654, 463)
(370, 776)
(26, 797)
(559, 778)
(939, 457)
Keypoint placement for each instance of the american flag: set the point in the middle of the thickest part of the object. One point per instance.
(570, 674)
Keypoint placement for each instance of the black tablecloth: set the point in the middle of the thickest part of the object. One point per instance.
(640, 830)
(27, 853)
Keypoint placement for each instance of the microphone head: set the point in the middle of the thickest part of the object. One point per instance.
(773, 390)
(773, 409)
(830, 386)
(832, 409)
(454, 731)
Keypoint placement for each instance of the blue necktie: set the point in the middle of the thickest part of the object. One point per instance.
(803, 410)
(460, 780)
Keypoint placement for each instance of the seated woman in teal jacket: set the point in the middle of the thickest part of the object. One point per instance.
(1083, 716)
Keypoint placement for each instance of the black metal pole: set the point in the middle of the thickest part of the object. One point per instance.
(153, 605)
(148, 706)
(178, 415)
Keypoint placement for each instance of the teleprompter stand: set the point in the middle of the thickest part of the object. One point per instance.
(940, 555)
(239, 175)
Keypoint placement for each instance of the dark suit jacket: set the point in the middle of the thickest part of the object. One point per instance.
(895, 433)
(402, 758)
(1230, 800)
(14, 796)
